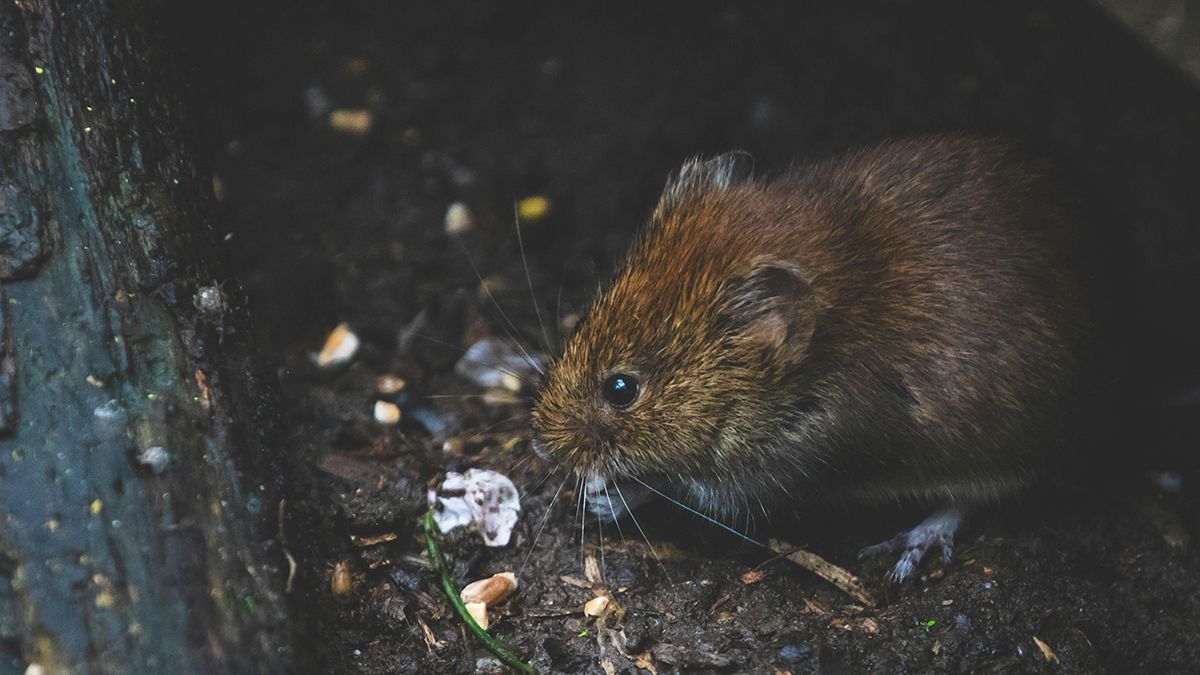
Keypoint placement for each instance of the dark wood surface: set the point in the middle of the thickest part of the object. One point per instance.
(139, 494)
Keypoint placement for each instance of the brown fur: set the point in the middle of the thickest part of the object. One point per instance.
(902, 321)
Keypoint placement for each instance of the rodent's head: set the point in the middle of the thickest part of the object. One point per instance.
(678, 367)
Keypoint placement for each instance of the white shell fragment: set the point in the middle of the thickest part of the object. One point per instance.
(387, 412)
(490, 591)
(482, 499)
(459, 219)
(340, 347)
(495, 364)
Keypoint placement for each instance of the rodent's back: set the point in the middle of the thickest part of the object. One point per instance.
(945, 271)
(902, 320)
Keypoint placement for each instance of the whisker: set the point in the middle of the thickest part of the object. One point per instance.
(470, 396)
(528, 279)
(600, 533)
(583, 526)
(514, 332)
(542, 527)
(707, 517)
(491, 427)
(558, 316)
(613, 511)
(643, 533)
(463, 350)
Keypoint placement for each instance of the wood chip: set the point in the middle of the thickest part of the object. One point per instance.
(591, 569)
(1047, 652)
(753, 577)
(847, 582)
(372, 541)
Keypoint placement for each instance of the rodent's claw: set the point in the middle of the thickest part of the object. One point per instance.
(936, 530)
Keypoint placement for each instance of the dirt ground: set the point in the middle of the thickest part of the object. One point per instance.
(590, 107)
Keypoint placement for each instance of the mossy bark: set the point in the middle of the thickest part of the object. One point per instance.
(138, 484)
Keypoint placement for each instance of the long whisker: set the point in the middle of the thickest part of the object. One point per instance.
(528, 279)
(583, 525)
(613, 511)
(600, 533)
(643, 533)
(707, 517)
(471, 396)
(558, 316)
(513, 333)
(463, 350)
(542, 527)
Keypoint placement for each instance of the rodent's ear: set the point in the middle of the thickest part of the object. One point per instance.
(720, 173)
(723, 171)
(773, 307)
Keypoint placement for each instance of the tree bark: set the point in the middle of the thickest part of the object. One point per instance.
(136, 522)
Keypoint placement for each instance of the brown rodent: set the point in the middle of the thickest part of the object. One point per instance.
(902, 322)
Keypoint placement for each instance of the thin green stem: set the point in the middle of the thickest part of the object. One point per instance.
(495, 646)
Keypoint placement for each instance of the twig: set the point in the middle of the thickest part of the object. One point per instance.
(493, 645)
(838, 576)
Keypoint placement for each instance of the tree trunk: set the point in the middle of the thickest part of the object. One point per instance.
(135, 522)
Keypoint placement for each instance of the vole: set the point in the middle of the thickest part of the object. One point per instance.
(900, 323)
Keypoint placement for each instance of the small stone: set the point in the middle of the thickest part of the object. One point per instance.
(794, 653)
(387, 412)
(459, 219)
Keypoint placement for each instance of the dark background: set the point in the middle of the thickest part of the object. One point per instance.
(591, 104)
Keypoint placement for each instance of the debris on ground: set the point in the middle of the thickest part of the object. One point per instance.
(480, 498)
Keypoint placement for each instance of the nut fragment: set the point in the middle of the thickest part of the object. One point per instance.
(340, 581)
(459, 219)
(352, 122)
(596, 606)
(533, 209)
(340, 346)
(478, 611)
(387, 412)
(390, 384)
(491, 590)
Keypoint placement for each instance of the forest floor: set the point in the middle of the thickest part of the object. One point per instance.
(489, 103)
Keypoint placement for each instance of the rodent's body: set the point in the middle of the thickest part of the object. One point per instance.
(900, 322)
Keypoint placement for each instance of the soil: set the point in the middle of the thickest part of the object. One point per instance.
(590, 106)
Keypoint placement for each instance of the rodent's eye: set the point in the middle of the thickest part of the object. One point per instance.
(621, 389)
